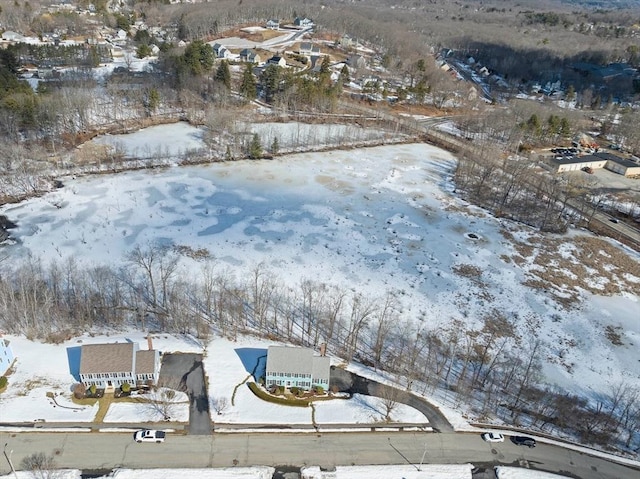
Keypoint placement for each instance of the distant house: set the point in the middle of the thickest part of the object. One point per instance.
(220, 51)
(302, 22)
(13, 37)
(277, 60)
(273, 24)
(356, 61)
(111, 365)
(346, 41)
(6, 356)
(308, 48)
(249, 56)
(296, 367)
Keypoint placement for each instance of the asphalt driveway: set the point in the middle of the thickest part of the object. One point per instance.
(185, 372)
(354, 384)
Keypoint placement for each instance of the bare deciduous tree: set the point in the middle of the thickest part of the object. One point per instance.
(41, 466)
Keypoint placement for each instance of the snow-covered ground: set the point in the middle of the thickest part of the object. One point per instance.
(427, 471)
(43, 390)
(178, 139)
(380, 218)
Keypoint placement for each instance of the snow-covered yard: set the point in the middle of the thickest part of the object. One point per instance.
(43, 391)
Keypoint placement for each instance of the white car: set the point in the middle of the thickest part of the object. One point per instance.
(493, 437)
(149, 435)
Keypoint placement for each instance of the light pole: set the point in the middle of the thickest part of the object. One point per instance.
(423, 456)
(4, 451)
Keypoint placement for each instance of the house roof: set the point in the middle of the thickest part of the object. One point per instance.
(321, 367)
(106, 358)
(615, 158)
(146, 361)
(282, 359)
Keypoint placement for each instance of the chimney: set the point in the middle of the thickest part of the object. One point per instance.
(150, 342)
(323, 349)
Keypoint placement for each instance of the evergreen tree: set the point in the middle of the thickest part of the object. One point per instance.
(153, 99)
(198, 57)
(344, 75)
(223, 74)
(248, 86)
(275, 146)
(93, 57)
(255, 147)
(143, 50)
(533, 125)
(270, 80)
(565, 127)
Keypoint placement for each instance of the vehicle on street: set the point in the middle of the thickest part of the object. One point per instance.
(523, 441)
(492, 437)
(149, 435)
(614, 220)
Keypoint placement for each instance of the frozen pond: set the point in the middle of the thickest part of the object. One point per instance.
(371, 221)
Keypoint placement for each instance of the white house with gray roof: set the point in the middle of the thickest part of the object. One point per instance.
(109, 366)
(296, 367)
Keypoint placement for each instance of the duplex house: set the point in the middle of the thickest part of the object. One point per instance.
(277, 60)
(249, 56)
(273, 24)
(109, 366)
(303, 22)
(308, 48)
(296, 367)
(6, 356)
(220, 51)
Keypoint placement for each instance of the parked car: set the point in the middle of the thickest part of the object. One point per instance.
(614, 220)
(492, 437)
(523, 441)
(149, 435)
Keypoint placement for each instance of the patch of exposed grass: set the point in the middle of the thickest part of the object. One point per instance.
(613, 334)
(467, 270)
(567, 267)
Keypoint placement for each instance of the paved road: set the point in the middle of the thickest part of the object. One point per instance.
(90, 451)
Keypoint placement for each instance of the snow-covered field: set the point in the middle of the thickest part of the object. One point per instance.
(380, 218)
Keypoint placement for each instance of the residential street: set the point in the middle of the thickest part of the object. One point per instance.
(92, 451)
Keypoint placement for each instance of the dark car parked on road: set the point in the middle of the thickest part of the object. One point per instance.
(523, 441)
